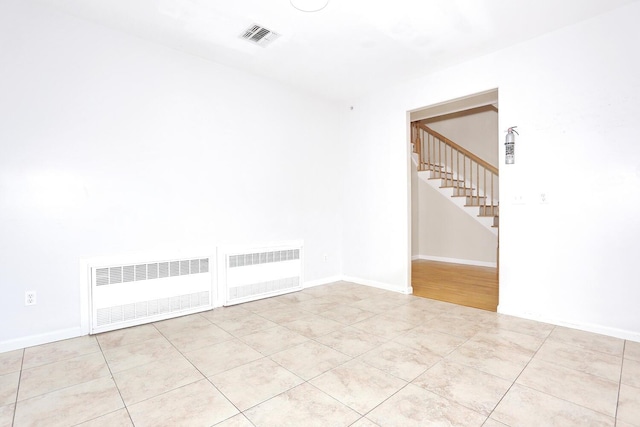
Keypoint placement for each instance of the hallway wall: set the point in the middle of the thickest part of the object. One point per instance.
(575, 97)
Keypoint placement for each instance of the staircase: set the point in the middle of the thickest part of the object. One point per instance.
(464, 178)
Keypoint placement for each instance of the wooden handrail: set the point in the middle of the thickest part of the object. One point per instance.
(464, 151)
(457, 168)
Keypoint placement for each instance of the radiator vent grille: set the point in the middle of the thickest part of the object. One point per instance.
(263, 258)
(127, 273)
(156, 270)
(263, 287)
(262, 272)
(163, 268)
(129, 312)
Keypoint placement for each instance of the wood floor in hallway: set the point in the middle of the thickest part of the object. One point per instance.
(466, 285)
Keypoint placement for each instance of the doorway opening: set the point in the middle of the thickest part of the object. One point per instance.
(455, 201)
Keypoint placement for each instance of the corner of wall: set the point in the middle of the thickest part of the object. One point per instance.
(583, 326)
(380, 285)
(30, 341)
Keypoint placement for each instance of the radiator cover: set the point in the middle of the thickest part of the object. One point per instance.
(262, 272)
(129, 294)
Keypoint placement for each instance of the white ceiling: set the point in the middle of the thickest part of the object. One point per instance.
(347, 49)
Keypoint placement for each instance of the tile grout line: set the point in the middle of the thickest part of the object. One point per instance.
(411, 382)
(444, 358)
(551, 395)
(211, 322)
(624, 346)
(22, 369)
(199, 371)
(385, 400)
(114, 382)
(151, 397)
(351, 359)
(523, 369)
(191, 363)
(15, 405)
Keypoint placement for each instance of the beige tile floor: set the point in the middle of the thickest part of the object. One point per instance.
(334, 355)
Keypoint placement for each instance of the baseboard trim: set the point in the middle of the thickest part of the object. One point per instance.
(379, 285)
(587, 327)
(320, 282)
(64, 334)
(454, 260)
(32, 340)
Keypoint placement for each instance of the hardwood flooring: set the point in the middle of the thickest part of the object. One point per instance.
(456, 283)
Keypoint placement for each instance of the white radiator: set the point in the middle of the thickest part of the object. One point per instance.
(254, 273)
(127, 294)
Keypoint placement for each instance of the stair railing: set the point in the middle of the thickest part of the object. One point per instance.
(457, 167)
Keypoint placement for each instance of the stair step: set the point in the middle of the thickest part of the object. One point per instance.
(474, 201)
(450, 182)
(488, 210)
(440, 175)
(461, 192)
(434, 169)
(431, 166)
(450, 188)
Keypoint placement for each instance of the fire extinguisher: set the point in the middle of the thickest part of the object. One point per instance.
(509, 150)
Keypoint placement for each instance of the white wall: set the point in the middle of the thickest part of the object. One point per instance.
(111, 144)
(114, 145)
(477, 133)
(575, 97)
(376, 196)
(446, 232)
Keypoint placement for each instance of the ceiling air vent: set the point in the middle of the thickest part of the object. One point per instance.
(259, 35)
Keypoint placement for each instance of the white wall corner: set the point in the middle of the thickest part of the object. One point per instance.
(320, 282)
(583, 326)
(408, 290)
(30, 341)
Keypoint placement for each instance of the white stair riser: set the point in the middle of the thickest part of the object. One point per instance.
(448, 192)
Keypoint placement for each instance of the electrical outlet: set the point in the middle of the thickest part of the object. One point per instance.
(544, 198)
(30, 298)
(325, 257)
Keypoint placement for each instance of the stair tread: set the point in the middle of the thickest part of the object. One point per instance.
(460, 189)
